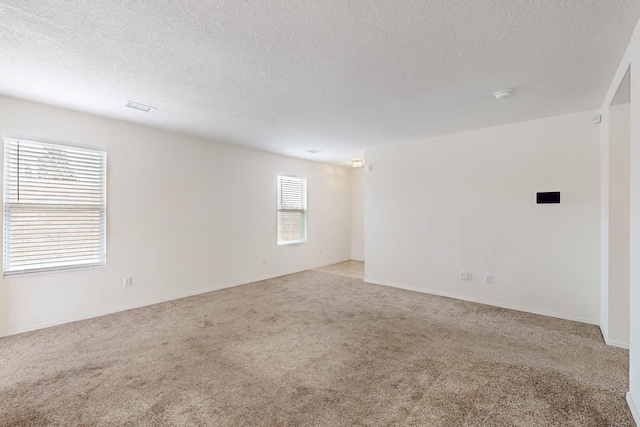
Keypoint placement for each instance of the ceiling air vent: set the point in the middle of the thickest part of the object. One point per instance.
(138, 106)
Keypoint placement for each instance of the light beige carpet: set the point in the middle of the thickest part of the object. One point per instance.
(314, 349)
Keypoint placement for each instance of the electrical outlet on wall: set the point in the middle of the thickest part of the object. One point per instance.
(464, 275)
(127, 281)
(488, 278)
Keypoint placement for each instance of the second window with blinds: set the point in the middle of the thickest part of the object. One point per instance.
(292, 210)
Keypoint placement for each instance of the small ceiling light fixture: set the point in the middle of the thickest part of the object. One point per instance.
(501, 94)
(357, 163)
(139, 107)
(314, 151)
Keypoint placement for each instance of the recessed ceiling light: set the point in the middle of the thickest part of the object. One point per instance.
(314, 151)
(502, 93)
(357, 163)
(139, 107)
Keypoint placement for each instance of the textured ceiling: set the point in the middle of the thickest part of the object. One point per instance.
(338, 76)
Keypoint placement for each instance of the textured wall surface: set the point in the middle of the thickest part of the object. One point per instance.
(332, 75)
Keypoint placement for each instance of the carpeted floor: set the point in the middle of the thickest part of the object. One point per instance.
(314, 349)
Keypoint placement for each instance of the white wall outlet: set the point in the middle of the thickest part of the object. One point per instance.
(264, 261)
(464, 275)
(127, 281)
(488, 278)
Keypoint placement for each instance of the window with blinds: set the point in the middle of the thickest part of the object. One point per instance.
(292, 210)
(54, 207)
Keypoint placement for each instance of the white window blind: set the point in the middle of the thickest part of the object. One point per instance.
(54, 207)
(292, 210)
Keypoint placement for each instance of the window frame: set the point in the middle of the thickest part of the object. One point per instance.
(302, 210)
(94, 241)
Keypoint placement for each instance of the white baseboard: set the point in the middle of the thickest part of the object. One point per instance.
(71, 319)
(633, 409)
(618, 344)
(611, 342)
(485, 302)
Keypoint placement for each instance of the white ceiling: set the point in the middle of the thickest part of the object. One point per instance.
(338, 76)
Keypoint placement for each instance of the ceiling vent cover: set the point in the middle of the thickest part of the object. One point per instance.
(138, 106)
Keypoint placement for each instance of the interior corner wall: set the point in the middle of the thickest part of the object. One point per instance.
(617, 222)
(468, 202)
(614, 228)
(631, 59)
(184, 216)
(634, 233)
(357, 214)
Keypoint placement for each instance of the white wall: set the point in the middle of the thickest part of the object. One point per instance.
(467, 202)
(615, 226)
(184, 216)
(632, 59)
(357, 214)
